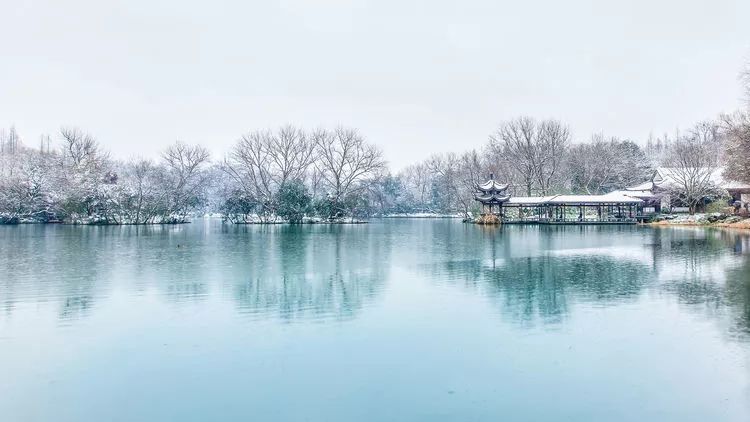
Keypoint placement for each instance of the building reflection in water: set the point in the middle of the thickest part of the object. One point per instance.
(531, 274)
(537, 275)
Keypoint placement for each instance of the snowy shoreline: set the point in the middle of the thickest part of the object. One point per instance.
(703, 220)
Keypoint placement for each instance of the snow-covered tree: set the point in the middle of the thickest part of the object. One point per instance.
(263, 160)
(346, 163)
(534, 150)
(141, 198)
(85, 178)
(186, 179)
(693, 160)
(27, 193)
(416, 181)
(737, 147)
(456, 178)
(603, 165)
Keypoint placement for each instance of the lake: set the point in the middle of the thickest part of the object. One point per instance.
(398, 320)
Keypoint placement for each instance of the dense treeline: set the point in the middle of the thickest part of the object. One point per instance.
(293, 175)
(79, 183)
(268, 177)
(539, 157)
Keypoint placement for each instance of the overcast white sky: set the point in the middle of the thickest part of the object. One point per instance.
(415, 77)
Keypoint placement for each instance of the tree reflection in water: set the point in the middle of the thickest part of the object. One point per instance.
(545, 287)
(326, 272)
(705, 270)
(531, 274)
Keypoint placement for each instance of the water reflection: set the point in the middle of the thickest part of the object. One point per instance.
(545, 287)
(304, 273)
(538, 274)
(531, 275)
(708, 271)
(738, 297)
(43, 265)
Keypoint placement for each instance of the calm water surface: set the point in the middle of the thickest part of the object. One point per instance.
(401, 320)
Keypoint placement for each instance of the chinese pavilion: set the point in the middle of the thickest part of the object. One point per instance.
(492, 195)
(619, 207)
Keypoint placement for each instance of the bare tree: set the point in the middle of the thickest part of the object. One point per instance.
(471, 173)
(345, 161)
(262, 162)
(534, 150)
(78, 146)
(291, 153)
(445, 171)
(516, 140)
(143, 199)
(498, 164)
(589, 165)
(737, 146)
(457, 178)
(417, 181)
(10, 147)
(603, 165)
(553, 139)
(86, 177)
(186, 178)
(249, 164)
(316, 181)
(692, 161)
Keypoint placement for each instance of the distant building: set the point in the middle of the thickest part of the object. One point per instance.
(657, 193)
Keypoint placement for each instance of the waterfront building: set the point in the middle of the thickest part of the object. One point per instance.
(499, 206)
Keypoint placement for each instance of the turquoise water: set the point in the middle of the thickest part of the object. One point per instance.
(400, 320)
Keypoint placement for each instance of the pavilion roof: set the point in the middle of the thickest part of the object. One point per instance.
(492, 185)
(530, 200)
(643, 194)
(492, 198)
(666, 177)
(610, 198)
(642, 187)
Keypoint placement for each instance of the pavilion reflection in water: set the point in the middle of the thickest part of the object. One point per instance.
(539, 274)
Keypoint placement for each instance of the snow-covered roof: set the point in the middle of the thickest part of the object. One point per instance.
(492, 185)
(529, 200)
(610, 198)
(667, 176)
(642, 187)
(731, 184)
(646, 193)
(492, 198)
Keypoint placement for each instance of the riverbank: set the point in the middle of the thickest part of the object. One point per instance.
(703, 220)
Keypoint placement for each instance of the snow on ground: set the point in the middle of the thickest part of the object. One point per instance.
(700, 219)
